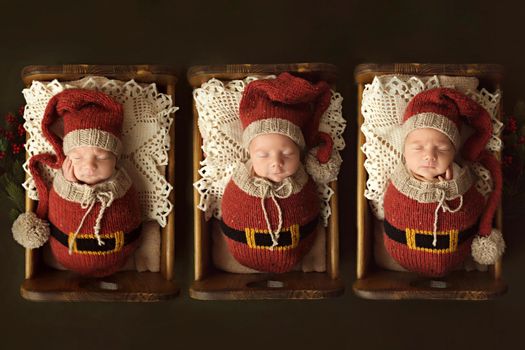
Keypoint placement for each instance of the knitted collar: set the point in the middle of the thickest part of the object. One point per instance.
(255, 186)
(430, 192)
(118, 185)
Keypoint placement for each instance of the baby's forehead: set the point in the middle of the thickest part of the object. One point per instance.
(427, 135)
(272, 141)
(86, 150)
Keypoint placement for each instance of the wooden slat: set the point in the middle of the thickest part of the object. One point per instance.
(159, 74)
(290, 285)
(472, 285)
(365, 73)
(197, 75)
(198, 225)
(363, 236)
(332, 248)
(168, 232)
(53, 285)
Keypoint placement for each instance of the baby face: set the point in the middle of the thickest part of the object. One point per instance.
(91, 165)
(274, 156)
(428, 153)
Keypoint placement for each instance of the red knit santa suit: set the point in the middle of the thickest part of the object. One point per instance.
(430, 226)
(245, 226)
(412, 207)
(115, 202)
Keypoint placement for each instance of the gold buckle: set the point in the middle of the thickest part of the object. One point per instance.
(453, 240)
(250, 238)
(118, 236)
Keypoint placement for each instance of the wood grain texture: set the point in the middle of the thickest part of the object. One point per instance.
(290, 285)
(53, 285)
(366, 72)
(375, 283)
(395, 285)
(314, 71)
(43, 283)
(211, 284)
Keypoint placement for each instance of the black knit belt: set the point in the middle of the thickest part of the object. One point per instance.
(255, 238)
(446, 241)
(88, 243)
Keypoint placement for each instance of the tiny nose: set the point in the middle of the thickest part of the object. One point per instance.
(89, 164)
(430, 155)
(276, 161)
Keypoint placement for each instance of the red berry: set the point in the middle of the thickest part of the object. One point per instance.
(10, 118)
(20, 130)
(9, 135)
(21, 110)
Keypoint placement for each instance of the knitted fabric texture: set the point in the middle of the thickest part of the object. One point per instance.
(148, 115)
(416, 212)
(254, 210)
(287, 105)
(76, 210)
(383, 107)
(90, 118)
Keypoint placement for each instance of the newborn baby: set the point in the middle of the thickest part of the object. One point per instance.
(92, 206)
(433, 211)
(270, 207)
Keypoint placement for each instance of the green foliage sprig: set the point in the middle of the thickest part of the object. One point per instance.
(12, 153)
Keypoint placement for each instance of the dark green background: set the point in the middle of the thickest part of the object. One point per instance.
(345, 33)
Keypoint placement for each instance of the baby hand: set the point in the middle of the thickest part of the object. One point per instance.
(448, 174)
(67, 170)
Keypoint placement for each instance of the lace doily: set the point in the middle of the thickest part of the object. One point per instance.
(218, 107)
(383, 104)
(145, 136)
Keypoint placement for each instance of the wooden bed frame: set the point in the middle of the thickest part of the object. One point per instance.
(43, 283)
(211, 283)
(376, 283)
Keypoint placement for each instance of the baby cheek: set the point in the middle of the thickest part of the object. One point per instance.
(260, 168)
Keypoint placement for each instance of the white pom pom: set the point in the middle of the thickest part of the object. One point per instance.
(323, 173)
(30, 231)
(487, 250)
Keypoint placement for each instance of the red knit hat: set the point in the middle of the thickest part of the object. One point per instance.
(287, 105)
(91, 118)
(445, 110)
